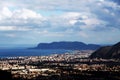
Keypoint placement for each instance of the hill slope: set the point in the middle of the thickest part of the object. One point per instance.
(107, 52)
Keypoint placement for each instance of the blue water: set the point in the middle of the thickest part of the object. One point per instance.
(29, 52)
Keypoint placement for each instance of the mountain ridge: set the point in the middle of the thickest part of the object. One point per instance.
(67, 45)
(107, 52)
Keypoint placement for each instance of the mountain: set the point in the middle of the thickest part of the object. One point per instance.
(67, 45)
(107, 52)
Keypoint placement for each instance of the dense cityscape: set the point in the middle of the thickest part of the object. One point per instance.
(68, 66)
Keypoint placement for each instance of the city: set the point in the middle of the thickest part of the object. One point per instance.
(76, 63)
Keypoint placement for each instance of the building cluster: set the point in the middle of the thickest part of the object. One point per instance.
(33, 66)
(96, 67)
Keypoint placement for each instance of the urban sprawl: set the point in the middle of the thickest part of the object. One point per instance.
(29, 67)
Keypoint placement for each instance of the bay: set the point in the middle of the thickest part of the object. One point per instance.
(30, 52)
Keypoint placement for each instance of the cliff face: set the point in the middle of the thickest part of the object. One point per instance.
(114, 52)
(67, 45)
(107, 52)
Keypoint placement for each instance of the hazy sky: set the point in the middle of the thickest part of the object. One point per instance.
(34, 21)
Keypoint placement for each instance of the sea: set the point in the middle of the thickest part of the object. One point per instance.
(31, 52)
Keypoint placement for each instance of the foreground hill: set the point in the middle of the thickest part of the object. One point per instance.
(67, 45)
(107, 52)
(5, 75)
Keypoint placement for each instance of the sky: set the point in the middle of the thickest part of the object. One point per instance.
(36, 21)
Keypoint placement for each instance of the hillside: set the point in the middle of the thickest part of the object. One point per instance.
(67, 45)
(107, 52)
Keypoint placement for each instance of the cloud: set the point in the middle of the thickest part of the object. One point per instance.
(4, 28)
(76, 13)
(26, 14)
(20, 19)
(20, 14)
(13, 28)
(6, 13)
(10, 35)
(116, 1)
(64, 19)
